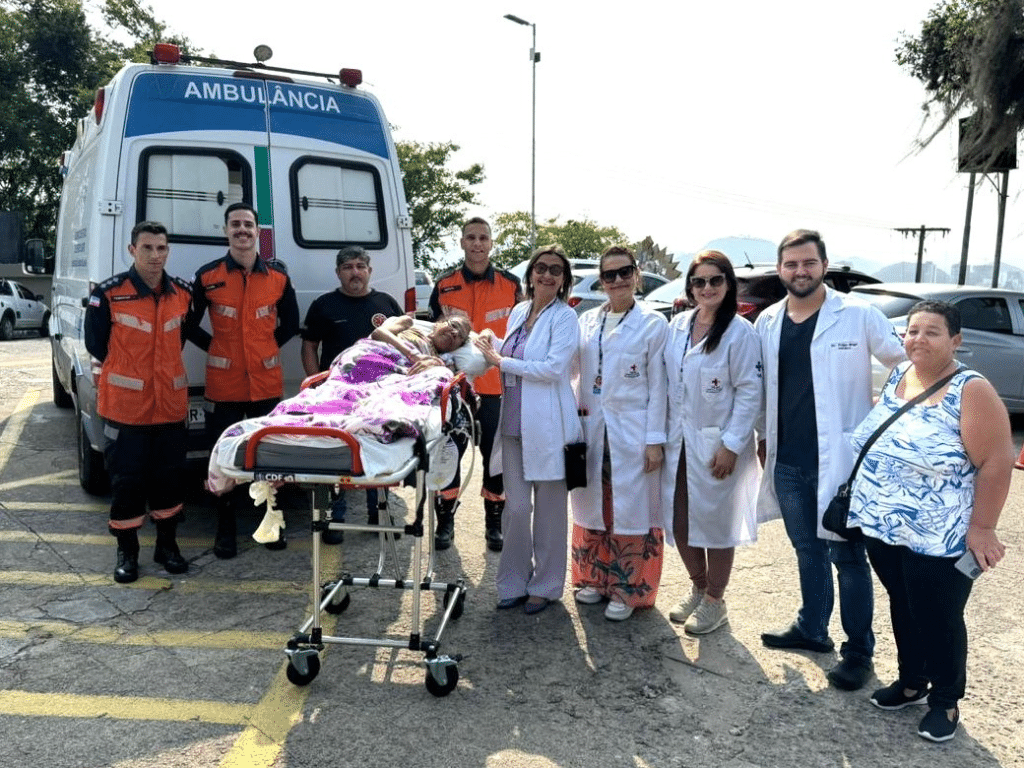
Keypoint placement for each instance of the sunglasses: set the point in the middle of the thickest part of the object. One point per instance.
(624, 273)
(541, 268)
(700, 282)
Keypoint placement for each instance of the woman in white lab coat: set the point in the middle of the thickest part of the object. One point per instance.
(617, 537)
(538, 419)
(713, 362)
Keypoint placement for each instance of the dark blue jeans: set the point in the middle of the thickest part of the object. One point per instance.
(797, 492)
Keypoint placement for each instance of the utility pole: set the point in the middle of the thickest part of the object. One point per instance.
(921, 232)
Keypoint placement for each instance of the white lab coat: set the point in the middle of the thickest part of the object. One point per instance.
(631, 406)
(848, 333)
(549, 418)
(713, 399)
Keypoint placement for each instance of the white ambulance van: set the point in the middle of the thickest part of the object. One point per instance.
(177, 142)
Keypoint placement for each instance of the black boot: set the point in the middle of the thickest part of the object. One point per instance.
(445, 531)
(127, 569)
(224, 545)
(492, 524)
(166, 552)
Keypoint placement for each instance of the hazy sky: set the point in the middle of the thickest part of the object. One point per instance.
(683, 121)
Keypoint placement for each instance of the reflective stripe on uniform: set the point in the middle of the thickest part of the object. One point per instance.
(180, 382)
(130, 524)
(165, 514)
(127, 382)
(174, 322)
(262, 312)
(132, 321)
(213, 361)
(497, 314)
(271, 362)
(224, 309)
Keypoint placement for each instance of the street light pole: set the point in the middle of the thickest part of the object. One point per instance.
(534, 58)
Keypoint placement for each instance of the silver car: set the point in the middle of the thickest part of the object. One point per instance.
(992, 322)
(587, 292)
(20, 309)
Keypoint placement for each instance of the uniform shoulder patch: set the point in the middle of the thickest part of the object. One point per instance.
(448, 273)
(182, 283)
(279, 265)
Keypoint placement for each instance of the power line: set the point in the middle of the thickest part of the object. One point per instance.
(921, 232)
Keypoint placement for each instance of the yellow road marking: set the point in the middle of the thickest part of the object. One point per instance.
(185, 586)
(54, 478)
(56, 506)
(41, 363)
(12, 432)
(27, 704)
(220, 640)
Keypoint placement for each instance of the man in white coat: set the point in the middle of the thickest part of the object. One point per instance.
(817, 346)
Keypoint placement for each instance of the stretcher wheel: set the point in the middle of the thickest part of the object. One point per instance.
(443, 689)
(297, 678)
(460, 604)
(334, 608)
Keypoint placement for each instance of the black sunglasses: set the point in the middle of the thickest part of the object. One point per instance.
(609, 275)
(541, 268)
(700, 282)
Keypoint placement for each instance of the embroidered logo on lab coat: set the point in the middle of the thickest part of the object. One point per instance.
(632, 373)
(714, 387)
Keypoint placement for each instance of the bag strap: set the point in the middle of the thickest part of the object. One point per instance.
(903, 409)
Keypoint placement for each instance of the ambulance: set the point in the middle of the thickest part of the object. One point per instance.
(178, 141)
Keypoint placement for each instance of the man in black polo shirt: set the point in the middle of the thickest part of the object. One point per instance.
(336, 321)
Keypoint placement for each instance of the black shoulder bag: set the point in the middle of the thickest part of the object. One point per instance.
(837, 513)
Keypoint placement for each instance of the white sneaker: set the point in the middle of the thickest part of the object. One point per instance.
(588, 596)
(708, 617)
(617, 611)
(682, 612)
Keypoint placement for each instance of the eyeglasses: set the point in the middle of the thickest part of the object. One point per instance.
(541, 268)
(624, 273)
(700, 282)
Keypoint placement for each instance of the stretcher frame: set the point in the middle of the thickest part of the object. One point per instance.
(303, 649)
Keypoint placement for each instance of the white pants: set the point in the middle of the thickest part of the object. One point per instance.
(535, 526)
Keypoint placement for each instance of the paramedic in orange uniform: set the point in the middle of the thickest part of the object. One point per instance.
(486, 296)
(253, 312)
(134, 326)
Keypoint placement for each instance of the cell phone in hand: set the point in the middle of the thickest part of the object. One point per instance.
(968, 565)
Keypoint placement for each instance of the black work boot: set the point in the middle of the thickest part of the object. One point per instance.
(492, 524)
(166, 552)
(445, 531)
(224, 545)
(127, 569)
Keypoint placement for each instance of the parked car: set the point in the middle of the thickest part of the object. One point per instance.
(587, 292)
(21, 310)
(519, 270)
(424, 287)
(992, 325)
(759, 287)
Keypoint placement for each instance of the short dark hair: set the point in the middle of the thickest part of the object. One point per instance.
(476, 220)
(351, 253)
(555, 250)
(240, 207)
(150, 228)
(949, 312)
(801, 236)
(617, 250)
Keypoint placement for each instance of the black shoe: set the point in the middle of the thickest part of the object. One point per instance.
(892, 697)
(445, 532)
(328, 536)
(850, 674)
(281, 543)
(794, 638)
(936, 725)
(494, 540)
(168, 555)
(127, 569)
(492, 524)
(225, 546)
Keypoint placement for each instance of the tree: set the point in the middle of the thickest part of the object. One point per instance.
(51, 63)
(437, 196)
(970, 53)
(511, 238)
(579, 238)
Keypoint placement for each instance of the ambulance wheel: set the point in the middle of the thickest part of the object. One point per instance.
(438, 689)
(61, 398)
(460, 604)
(335, 608)
(44, 329)
(92, 474)
(297, 678)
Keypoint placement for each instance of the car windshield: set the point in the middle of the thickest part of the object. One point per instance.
(668, 292)
(891, 304)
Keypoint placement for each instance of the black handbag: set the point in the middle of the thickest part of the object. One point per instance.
(837, 513)
(576, 465)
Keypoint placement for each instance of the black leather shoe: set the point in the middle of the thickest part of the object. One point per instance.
(850, 674)
(494, 540)
(445, 531)
(170, 558)
(127, 569)
(225, 546)
(328, 536)
(794, 638)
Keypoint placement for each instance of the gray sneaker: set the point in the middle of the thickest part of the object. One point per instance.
(682, 612)
(708, 617)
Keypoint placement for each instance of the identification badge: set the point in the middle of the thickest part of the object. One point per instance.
(511, 380)
(597, 385)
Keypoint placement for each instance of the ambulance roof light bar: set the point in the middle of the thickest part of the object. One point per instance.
(168, 53)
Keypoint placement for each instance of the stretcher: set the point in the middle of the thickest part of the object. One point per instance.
(316, 458)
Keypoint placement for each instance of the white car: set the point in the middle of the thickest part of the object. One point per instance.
(588, 293)
(424, 287)
(21, 310)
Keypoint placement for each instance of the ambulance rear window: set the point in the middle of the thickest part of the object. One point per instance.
(337, 203)
(188, 190)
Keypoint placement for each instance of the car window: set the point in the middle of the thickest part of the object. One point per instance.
(985, 313)
(892, 305)
(766, 287)
(26, 293)
(5, 289)
(422, 279)
(669, 292)
(650, 283)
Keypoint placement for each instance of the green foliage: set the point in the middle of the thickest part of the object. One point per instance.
(51, 63)
(511, 233)
(970, 53)
(579, 239)
(437, 195)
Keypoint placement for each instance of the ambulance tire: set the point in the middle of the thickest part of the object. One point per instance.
(92, 473)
